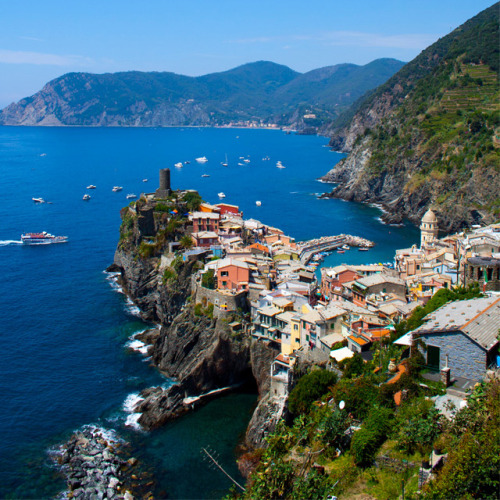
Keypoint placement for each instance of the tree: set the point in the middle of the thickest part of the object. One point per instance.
(192, 200)
(186, 242)
(310, 388)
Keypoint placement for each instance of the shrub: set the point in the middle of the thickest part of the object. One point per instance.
(208, 280)
(364, 445)
(310, 388)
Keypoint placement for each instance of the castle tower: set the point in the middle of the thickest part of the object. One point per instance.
(428, 228)
(164, 190)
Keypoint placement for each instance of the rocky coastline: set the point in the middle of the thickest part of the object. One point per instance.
(97, 466)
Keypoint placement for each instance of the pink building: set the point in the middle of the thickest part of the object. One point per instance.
(205, 222)
(232, 275)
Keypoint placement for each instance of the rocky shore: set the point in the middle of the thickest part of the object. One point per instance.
(96, 466)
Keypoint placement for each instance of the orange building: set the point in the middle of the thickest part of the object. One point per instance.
(232, 275)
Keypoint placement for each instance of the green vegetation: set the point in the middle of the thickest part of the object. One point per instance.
(314, 455)
(439, 117)
(209, 280)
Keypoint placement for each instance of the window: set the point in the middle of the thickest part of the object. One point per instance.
(307, 338)
(295, 326)
(224, 283)
(223, 273)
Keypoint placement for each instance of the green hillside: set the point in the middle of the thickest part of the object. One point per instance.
(262, 92)
(434, 140)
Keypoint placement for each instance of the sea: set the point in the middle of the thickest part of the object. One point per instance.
(68, 357)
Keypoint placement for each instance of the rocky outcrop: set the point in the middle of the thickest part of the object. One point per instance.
(94, 465)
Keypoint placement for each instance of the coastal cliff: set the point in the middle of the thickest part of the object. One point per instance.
(198, 351)
(428, 137)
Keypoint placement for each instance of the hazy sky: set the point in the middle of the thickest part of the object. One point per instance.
(43, 39)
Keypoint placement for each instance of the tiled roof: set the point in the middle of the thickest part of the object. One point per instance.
(479, 319)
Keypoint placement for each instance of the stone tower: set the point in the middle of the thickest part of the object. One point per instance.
(164, 190)
(428, 229)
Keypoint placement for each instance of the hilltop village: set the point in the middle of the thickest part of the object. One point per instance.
(230, 292)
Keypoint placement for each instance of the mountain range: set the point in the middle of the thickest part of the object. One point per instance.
(430, 135)
(262, 92)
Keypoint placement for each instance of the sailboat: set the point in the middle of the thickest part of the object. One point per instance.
(225, 162)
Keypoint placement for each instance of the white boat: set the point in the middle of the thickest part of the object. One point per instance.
(221, 195)
(86, 197)
(206, 175)
(258, 203)
(91, 186)
(38, 200)
(131, 196)
(116, 188)
(144, 180)
(279, 164)
(246, 160)
(346, 247)
(179, 164)
(202, 159)
(224, 164)
(241, 164)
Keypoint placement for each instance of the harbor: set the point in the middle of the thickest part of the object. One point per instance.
(311, 248)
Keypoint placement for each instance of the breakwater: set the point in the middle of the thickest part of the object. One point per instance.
(95, 464)
(307, 249)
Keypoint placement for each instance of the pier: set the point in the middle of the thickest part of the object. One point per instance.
(307, 249)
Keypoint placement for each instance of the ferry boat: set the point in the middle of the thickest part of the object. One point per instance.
(202, 159)
(42, 238)
(86, 197)
(116, 189)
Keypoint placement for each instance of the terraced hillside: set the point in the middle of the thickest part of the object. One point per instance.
(430, 135)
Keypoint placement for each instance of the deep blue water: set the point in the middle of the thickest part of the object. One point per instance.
(64, 362)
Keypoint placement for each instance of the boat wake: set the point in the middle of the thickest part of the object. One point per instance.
(4, 243)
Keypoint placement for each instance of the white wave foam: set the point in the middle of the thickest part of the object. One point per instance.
(129, 406)
(137, 345)
(4, 243)
(112, 279)
(132, 309)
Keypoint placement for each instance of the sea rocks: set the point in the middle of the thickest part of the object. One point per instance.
(93, 467)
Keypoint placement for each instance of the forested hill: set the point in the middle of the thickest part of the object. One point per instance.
(430, 135)
(261, 92)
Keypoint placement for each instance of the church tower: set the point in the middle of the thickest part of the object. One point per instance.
(428, 228)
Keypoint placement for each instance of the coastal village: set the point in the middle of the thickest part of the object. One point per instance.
(327, 316)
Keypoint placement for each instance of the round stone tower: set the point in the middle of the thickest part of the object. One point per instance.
(164, 190)
(428, 228)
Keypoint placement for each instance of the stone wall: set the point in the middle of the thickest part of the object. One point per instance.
(223, 302)
(465, 358)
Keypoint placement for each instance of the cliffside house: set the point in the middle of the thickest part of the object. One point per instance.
(377, 284)
(205, 239)
(462, 336)
(486, 271)
(205, 221)
(232, 275)
(332, 280)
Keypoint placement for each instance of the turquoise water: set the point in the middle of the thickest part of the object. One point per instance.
(64, 329)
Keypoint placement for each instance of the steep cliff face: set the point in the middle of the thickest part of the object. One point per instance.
(428, 136)
(198, 351)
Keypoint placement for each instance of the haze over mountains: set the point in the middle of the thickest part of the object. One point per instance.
(262, 92)
(430, 135)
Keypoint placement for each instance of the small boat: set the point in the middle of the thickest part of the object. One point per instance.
(187, 162)
(42, 238)
(144, 180)
(279, 164)
(241, 164)
(131, 196)
(266, 158)
(258, 203)
(221, 195)
(340, 251)
(363, 249)
(246, 160)
(206, 175)
(43, 154)
(179, 164)
(224, 164)
(346, 247)
(86, 197)
(91, 186)
(202, 159)
(116, 189)
(38, 200)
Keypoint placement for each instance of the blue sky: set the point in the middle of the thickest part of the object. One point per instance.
(43, 39)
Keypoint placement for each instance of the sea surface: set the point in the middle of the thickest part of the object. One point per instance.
(66, 330)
